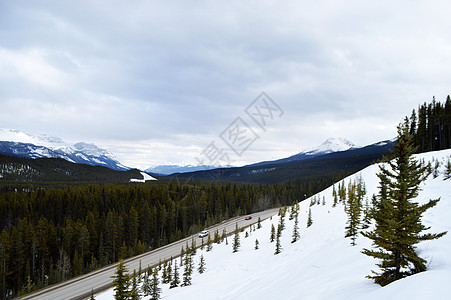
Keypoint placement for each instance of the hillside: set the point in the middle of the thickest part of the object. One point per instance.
(57, 169)
(322, 264)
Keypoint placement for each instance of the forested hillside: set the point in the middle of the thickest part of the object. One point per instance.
(431, 126)
(57, 169)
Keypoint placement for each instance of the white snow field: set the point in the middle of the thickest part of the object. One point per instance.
(322, 264)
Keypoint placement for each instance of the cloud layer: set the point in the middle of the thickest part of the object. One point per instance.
(157, 81)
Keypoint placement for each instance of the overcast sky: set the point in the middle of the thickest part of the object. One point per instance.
(157, 82)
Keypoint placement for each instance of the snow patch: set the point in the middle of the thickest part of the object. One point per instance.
(146, 177)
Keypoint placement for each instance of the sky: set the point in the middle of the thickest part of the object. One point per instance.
(162, 82)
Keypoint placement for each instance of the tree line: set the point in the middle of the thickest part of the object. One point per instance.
(430, 126)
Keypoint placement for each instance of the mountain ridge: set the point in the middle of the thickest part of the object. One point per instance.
(20, 144)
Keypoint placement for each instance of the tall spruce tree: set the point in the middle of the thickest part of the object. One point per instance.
(309, 218)
(236, 239)
(188, 271)
(398, 226)
(155, 290)
(278, 234)
(201, 268)
(121, 282)
(273, 233)
(353, 211)
(296, 227)
(176, 277)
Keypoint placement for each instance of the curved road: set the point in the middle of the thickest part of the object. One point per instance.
(80, 287)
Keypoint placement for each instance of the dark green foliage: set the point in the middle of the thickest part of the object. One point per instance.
(121, 282)
(236, 239)
(134, 290)
(447, 174)
(209, 244)
(278, 235)
(431, 126)
(309, 218)
(155, 290)
(57, 169)
(256, 244)
(356, 192)
(273, 233)
(188, 270)
(201, 268)
(397, 218)
(176, 277)
(296, 234)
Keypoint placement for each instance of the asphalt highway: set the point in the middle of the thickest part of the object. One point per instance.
(81, 287)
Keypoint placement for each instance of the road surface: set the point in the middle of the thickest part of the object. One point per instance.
(81, 287)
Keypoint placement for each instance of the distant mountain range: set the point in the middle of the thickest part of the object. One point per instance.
(313, 164)
(172, 169)
(329, 146)
(20, 144)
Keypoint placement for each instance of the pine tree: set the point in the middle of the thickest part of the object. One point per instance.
(146, 289)
(282, 222)
(134, 290)
(209, 244)
(216, 237)
(175, 278)
(278, 246)
(92, 295)
(121, 282)
(296, 227)
(236, 240)
(256, 244)
(447, 174)
(201, 268)
(259, 225)
(273, 233)
(164, 276)
(335, 196)
(367, 214)
(309, 218)
(155, 290)
(398, 219)
(188, 270)
(353, 211)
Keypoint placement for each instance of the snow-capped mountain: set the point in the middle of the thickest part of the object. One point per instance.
(331, 145)
(18, 143)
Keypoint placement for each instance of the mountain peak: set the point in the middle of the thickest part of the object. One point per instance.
(331, 145)
(18, 143)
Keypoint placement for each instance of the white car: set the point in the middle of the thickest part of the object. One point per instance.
(203, 233)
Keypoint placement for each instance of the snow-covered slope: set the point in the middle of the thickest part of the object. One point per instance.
(146, 177)
(18, 143)
(322, 264)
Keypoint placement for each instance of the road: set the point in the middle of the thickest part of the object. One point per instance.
(81, 287)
